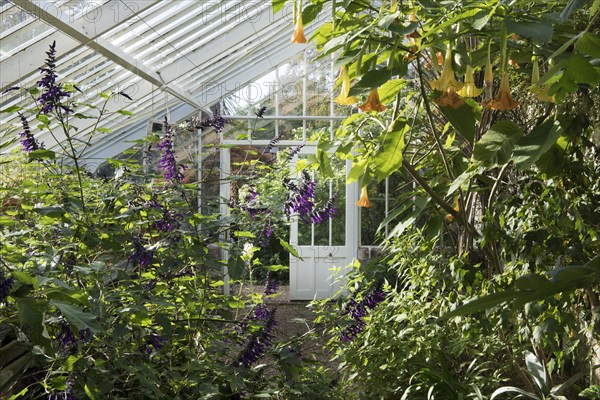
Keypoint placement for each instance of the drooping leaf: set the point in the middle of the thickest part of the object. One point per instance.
(388, 91)
(539, 30)
(579, 69)
(277, 5)
(370, 80)
(76, 317)
(573, 6)
(496, 146)
(462, 119)
(42, 154)
(537, 371)
(530, 148)
(589, 43)
(389, 158)
(31, 314)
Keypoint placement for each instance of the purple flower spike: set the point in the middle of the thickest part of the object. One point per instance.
(153, 342)
(141, 255)
(359, 310)
(27, 139)
(66, 339)
(168, 164)
(272, 286)
(52, 92)
(259, 343)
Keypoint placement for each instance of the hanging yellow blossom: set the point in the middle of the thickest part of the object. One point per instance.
(373, 103)
(298, 36)
(541, 92)
(447, 78)
(450, 217)
(364, 199)
(449, 99)
(343, 98)
(503, 100)
(469, 89)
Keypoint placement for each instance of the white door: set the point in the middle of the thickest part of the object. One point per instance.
(325, 249)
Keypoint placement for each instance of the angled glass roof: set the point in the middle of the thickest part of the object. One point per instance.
(182, 55)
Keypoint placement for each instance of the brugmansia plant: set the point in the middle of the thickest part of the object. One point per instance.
(486, 112)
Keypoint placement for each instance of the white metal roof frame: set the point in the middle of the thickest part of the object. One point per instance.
(182, 54)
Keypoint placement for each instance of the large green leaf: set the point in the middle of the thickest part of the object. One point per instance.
(31, 314)
(370, 80)
(530, 148)
(496, 146)
(539, 30)
(389, 158)
(76, 317)
(462, 119)
(388, 91)
(277, 5)
(589, 43)
(579, 69)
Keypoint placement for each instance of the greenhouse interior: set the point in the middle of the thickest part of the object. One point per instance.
(299, 199)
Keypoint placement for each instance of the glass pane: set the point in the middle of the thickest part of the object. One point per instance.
(236, 130)
(262, 129)
(291, 129)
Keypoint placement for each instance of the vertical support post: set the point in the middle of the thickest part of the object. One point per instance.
(224, 191)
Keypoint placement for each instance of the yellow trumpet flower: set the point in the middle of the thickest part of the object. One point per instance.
(447, 78)
(449, 99)
(343, 98)
(541, 92)
(373, 103)
(364, 199)
(503, 100)
(469, 89)
(298, 36)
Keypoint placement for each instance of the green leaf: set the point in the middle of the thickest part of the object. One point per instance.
(310, 13)
(91, 390)
(389, 157)
(370, 80)
(31, 314)
(243, 234)
(52, 212)
(481, 304)
(278, 5)
(11, 109)
(43, 119)
(508, 389)
(594, 9)
(579, 69)
(539, 30)
(589, 43)
(289, 248)
(359, 168)
(42, 154)
(496, 145)
(6, 221)
(79, 319)
(538, 372)
(573, 6)
(388, 91)
(462, 119)
(24, 277)
(125, 112)
(530, 148)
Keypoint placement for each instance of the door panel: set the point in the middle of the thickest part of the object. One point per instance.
(325, 249)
